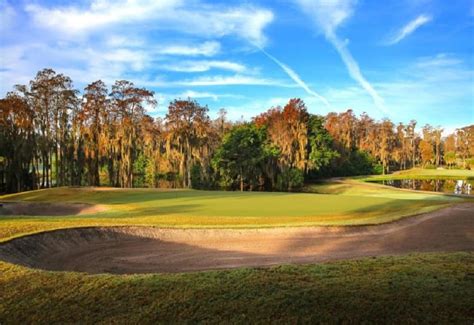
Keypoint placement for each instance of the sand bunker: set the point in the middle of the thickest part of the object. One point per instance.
(148, 250)
(48, 209)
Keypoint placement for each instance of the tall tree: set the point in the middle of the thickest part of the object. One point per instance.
(411, 135)
(94, 117)
(17, 143)
(450, 150)
(188, 124)
(128, 104)
(465, 143)
(387, 138)
(48, 137)
(426, 145)
(319, 144)
(288, 130)
(436, 134)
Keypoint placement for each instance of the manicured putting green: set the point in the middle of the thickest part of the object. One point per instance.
(145, 203)
(341, 203)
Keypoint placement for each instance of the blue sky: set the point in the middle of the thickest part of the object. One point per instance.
(400, 59)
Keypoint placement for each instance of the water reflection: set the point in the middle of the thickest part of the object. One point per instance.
(432, 185)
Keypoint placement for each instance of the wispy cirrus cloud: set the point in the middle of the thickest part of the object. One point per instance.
(203, 66)
(195, 18)
(354, 71)
(208, 48)
(204, 81)
(100, 13)
(295, 77)
(438, 82)
(328, 16)
(439, 60)
(234, 80)
(198, 94)
(112, 40)
(246, 22)
(204, 94)
(409, 28)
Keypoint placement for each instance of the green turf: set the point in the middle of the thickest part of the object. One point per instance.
(426, 288)
(338, 203)
(429, 288)
(418, 173)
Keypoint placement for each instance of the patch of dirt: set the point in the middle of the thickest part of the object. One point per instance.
(148, 250)
(48, 209)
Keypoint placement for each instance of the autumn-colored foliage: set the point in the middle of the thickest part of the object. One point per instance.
(51, 135)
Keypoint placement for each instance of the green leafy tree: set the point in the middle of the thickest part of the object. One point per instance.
(241, 155)
(320, 144)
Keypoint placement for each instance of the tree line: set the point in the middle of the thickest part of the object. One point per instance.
(52, 135)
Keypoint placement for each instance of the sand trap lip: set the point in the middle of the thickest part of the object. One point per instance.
(152, 250)
(48, 208)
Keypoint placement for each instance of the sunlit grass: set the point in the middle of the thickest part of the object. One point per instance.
(426, 288)
(418, 173)
(348, 202)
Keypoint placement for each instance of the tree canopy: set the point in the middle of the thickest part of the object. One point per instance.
(52, 135)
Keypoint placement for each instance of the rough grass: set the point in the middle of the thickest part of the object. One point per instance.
(426, 288)
(339, 203)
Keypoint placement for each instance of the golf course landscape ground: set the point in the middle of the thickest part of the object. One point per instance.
(389, 255)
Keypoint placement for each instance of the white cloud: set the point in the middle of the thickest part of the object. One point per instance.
(196, 18)
(203, 65)
(137, 60)
(228, 81)
(86, 64)
(328, 16)
(197, 94)
(209, 48)
(124, 41)
(296, 78)
(439, 60)
(100, 13)
(203, 81)
(409, 28)
(122, 53)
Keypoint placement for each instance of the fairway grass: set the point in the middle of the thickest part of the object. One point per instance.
(426, 288)
(343, 203)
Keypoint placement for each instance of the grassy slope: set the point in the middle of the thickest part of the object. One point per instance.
(429, 288)
(344, 203)
(418, 173)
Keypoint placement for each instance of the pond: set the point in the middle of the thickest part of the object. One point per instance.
(433, 185)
